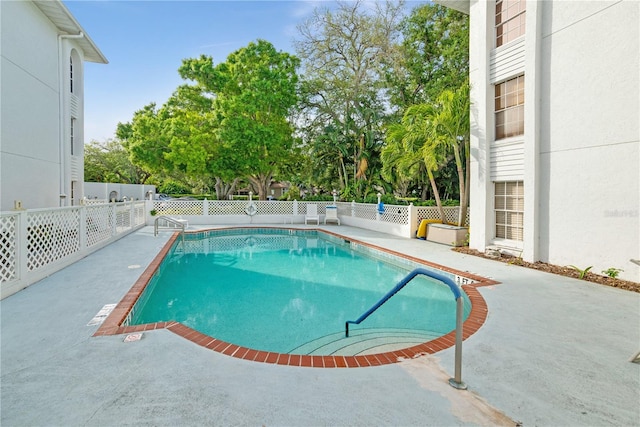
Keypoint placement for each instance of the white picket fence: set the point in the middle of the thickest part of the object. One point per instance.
(36, 243)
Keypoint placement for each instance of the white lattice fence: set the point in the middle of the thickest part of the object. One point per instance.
(89, 202)
(344, 209)
(99, 224)
(52, 235)
(274, 208)
(431, 212)
(178, 207)
(227, 207)
(322, 207)
(365, 211)
(427, 212)
(36, 243)
(123, 216)
(395, 214)
(138, 214)
(8, 241)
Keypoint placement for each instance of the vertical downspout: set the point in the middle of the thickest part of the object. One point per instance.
(61, 114)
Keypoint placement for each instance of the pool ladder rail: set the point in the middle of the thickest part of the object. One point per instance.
(170, 220)
(455, 382)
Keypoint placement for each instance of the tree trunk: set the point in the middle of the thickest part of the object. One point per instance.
(436, 195)
(343, 173)
(261, 183)
(461, 180)
(223, 190)
(464, 198)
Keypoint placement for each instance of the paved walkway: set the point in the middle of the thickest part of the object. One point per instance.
(553, 351)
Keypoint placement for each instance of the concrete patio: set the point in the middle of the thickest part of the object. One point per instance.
(553, 351)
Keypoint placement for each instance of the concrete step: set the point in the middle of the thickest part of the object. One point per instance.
(364, 341)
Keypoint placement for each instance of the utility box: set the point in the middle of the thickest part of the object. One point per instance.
(447, 234)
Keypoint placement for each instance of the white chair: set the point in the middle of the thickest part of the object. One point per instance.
(312, 214)
(332, 215)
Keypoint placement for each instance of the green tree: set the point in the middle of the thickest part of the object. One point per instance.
(433, 56)
(253, 93)
(145, 140)
(108, 161)
(194, 147)
(415, 140)
(399, 166)
(343, 98)
(450, 119)
(432, 59)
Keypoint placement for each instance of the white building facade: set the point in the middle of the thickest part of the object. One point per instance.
(555, 138)
(43, 49)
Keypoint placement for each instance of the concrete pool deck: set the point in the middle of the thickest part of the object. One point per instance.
(553, 351)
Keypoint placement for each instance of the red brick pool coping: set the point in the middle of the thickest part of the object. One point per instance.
(113, 324)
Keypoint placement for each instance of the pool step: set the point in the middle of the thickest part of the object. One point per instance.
(364, 341)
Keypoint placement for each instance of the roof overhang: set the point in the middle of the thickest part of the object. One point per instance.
(60, 16)
(459, 5)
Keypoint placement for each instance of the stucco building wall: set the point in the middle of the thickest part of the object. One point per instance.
(37, 164)
(578, 158)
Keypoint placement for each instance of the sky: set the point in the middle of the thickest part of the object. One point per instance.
(146, 41)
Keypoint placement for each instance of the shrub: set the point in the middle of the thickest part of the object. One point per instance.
(174, 187)
(319, 198)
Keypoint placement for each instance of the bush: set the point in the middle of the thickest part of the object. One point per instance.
(319, 198)
(387, 199)
(174, 187)
(293, 193)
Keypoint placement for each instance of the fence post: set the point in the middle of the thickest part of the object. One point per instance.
(295, 208)
(413, 220)
(114, 222)
(205, 207)
(82, 229)
(22, 243)
(132, 214)
(353, 208)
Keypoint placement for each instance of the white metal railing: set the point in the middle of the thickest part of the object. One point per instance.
(37, 242)
(166, 219)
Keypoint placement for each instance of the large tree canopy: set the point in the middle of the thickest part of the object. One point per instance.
(253, 93)
(109, 162)
(343, 93)
(231, 124)
(433, 56)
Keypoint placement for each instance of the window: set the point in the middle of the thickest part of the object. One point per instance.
(71, 136)
(71, 74)
(509, 106)
(509, 210)
(510, 20)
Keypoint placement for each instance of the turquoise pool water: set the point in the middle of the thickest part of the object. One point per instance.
(276, 290)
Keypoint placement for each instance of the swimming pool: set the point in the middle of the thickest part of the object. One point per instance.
(290, 291)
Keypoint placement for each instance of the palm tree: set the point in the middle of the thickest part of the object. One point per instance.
(452, 126)
(415, 140)
(398, 167)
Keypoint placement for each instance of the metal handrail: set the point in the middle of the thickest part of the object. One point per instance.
(457, 380)
(168, 219)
